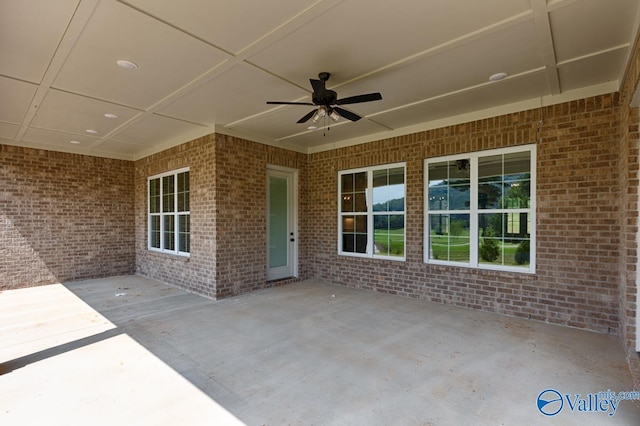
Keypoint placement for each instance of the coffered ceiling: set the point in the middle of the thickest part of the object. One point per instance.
(210, 66)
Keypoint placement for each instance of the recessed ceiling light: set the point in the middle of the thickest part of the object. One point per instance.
(312, 128)
(126, 64)
(498, 76)
(75, 142)
(93, 132)
(111, 115)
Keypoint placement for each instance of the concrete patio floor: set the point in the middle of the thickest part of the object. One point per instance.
(129, 350)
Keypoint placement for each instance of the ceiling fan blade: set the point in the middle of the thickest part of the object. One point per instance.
(359, 98)
(347, 114)
(288, 103)
(306, 117)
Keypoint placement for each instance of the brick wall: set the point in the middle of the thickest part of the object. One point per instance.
(228, 215)
(578, 226)
(241, 185)
(196, 273)
(63, 217)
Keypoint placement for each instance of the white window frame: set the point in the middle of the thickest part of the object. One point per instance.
(162, 214)
(370, 253)
(474, 211)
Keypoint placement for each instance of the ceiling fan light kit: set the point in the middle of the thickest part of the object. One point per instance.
(327, 101)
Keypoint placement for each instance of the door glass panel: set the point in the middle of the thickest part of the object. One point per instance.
(278, 222)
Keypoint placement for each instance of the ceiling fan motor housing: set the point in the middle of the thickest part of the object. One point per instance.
(327, 97)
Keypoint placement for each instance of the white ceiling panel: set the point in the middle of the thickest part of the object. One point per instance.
(476, 100)
(207, 66)
(8, 131)
(232, 96)
(16, 97)
(210, 20)
(30, 31)
(447, 72)
(359, 36)
(66, 112)
(167, 59)
(116, 149)
(592, 70)
(590, 26)
(61, 139)
(153, 128)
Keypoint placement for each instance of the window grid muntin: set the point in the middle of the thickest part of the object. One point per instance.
(475, 210)
(173, 234)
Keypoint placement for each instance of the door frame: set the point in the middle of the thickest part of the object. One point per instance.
(293, 215)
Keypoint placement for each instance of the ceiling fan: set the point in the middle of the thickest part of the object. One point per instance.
(327, 102)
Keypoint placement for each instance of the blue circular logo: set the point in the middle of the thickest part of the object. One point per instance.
(550, 402)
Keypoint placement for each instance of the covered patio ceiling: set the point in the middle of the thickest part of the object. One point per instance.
(205, 67)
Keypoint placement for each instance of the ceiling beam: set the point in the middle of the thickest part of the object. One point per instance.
(545, 43)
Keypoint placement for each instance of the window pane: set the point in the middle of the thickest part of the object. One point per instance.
(347, 203)
(517, 225)
(490, 195)
(449, 185)
(169, 232)
(361, 243)
(388, 190)
(348, 224)
(504, 181)
(438, 198)
(354, 243)
(354, 234)
(459, 242)
(353, 196)
(460, 171)
(449, 237)
(154, 236)
(491, 241)
(168, 193)
(517, 194)
(184, 233)
(360, 202)
(521, 252)
(459, 196)
(154, 195)
(183, 192)
(360, 181)
(380, 190)
(438, 173)
(490, 168)
(347, 183)
(517, 165)
(389, 235)
(348, 243)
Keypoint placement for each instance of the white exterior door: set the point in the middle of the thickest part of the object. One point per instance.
(281, 223)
